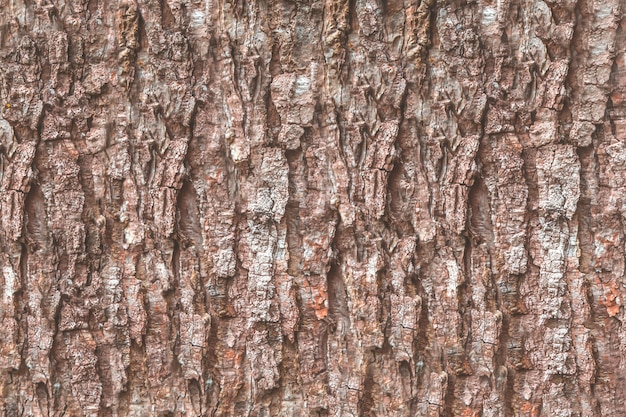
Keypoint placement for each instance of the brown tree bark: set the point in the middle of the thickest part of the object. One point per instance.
(325, 207)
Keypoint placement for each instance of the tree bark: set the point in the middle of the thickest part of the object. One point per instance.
(325, 208)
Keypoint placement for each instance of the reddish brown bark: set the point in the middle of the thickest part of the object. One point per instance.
(343, 208)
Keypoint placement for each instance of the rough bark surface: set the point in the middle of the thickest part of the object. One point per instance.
(326, 208)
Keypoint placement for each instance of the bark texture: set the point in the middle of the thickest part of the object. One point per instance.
(325, 208)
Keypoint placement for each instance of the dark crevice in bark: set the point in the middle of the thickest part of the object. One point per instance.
(20, 302)
(124, 397)
(193, 388)
(501, 358)
(167, 17)
(529, 156)
(142, 34)
(583, 211)
(449, 405)
(289, 373)
(172, 293)
(398, 200)
(352, 21)
(366, 402)
(189, 230)
(407, 375)
(273, 119)
(480, 227)
(460, 360)
(210, 363)
(337, 300)
(509, 392)
(576, 50)
(43, 398)
(421, 340)
(36, 233)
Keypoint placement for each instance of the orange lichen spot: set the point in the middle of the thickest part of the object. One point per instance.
(469, 412)
(526, 407)
(613, 300)
(320, 304)
(8, 105)
(321, 313)
(230, 355)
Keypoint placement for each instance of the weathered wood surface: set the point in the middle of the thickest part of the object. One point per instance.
(332, 207)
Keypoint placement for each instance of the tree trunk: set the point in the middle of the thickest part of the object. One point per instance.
(325, 208)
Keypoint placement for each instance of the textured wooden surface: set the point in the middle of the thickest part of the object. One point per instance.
(325, 208)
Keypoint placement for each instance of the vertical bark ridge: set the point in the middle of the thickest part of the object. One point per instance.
(333, 207)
